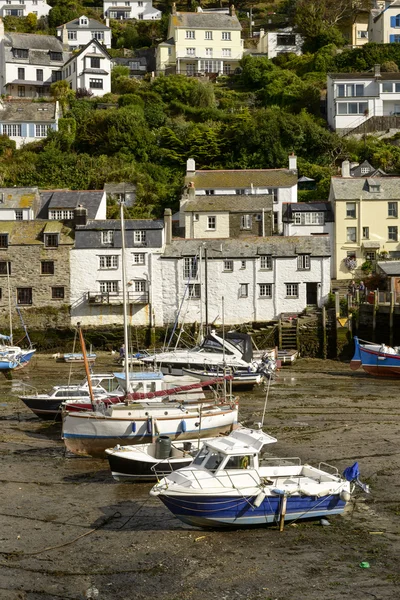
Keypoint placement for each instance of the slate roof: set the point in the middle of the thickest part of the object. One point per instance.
(28, 112)
(20, 197)
(243, 178)
(357, 188)
(357, 171)
(39, 47)
(71, 199)
(370, 75)
(390, 267)
(297, 207)
(250, 247)
(115, 224)
(74, 25)
(201, 20)
(120, 188)
(231, 203)
(100, 46)
(28, 233)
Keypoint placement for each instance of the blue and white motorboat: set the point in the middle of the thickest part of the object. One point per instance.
(13, 357)
(378, 360)
(228, 485)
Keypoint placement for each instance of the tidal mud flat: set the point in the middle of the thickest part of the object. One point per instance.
(67, 530)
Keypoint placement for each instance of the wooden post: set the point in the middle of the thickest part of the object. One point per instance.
(280, 333)
(391, 318)
(297, 334)
(375, 308)
(324, 344)
(283, 512)
(337, 315)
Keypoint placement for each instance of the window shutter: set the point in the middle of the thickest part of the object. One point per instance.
(392, 23)
(24, 129)
(31, 130)
(391, 38)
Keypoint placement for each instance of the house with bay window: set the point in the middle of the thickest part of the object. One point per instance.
(27, 121)
(29, 63)
(96, 272)
(200, 42)
(259, 278)
(142, 10)
(355, 98)
(89, 69)
(23, 8)
(77, 33)
(367, 220)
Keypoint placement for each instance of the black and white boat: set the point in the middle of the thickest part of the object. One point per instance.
(146, 462)
(232, 353)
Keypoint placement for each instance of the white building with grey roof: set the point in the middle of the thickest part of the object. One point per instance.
(89, 69)
(199, 43)
(142, 10)
(19, 204)
(60, 205)
(26, 122)
(17, 8)
(29, 63)
(77, 33)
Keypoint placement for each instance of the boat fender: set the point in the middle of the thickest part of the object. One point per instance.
(259, 498)
(278, 492)
(345, 496)
(148, 426)
(183, 426)
(133, 427)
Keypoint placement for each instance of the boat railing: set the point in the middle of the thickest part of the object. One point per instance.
(20, 388)
(327, 465)
(281, 462)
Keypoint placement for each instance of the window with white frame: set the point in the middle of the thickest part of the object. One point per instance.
(292, 290)
(228, 265)
(266, 262)
(226, 35)
(387, 87)
(351, 210)
(352, 108)
(107, 237)
(303, 262)
(208, 35)
(365, 170)
(351, 234)
(226, 52)
(190, 35)
(108, 262)
(139, 258)
(96, 84)
(393, 234)
(99, 35)
(191, 51)
(211, 223)
(243, 290)
(72, 35)
(309, 218)
(19, 215)
(242, 264)
(12, 130)
(190, 267)
(139, 285)
(350, 90)
(194, 290)
(209, 52)
(61, 214)
(245, 222)
(265, 290)
(109, 287)
(139, 236)
(41, 130)
(362, 35)
(392, 209)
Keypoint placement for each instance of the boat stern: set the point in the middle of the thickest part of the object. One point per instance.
(355, 362)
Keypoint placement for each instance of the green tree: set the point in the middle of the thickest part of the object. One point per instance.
(61, 91)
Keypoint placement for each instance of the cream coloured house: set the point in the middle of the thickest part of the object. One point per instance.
(200, 43)
(367, 219)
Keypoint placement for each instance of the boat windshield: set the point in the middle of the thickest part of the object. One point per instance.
(239, 462)
(211, 345)
(210, 459)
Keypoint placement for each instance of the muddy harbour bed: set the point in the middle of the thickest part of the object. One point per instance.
(69, 531)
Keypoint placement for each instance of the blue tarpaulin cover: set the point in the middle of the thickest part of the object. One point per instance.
(352, 472)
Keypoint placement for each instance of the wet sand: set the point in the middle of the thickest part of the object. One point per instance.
(67, 530)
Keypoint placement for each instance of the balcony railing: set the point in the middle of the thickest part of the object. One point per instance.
(117, 298)
(201, 55)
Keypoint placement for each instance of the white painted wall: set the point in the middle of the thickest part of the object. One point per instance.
(84, 34)
(226, 284)
(40, 8)
(8, 214)
(137, 10)
(74, 71)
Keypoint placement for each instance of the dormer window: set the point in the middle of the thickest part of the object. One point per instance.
(56, 55)
(51, 240)
(83, 21)
(374, 188)
(21, 53)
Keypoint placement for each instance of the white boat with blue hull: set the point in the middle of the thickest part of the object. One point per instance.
(228, 485)
(13, 357)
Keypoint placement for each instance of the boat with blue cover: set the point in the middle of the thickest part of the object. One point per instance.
(228, 485)
(378, 360)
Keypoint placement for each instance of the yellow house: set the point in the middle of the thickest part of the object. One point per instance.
(200, 42)
(366, 220)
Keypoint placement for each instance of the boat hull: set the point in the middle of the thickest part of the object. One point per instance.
(19, 363)
(124, 469)
(91, 435)
(233, 511)
(239, 381)
(49, 410)
(374, 362)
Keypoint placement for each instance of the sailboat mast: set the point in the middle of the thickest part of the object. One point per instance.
(206, 289)
(124, 297)
(86, 363)
(9, 301)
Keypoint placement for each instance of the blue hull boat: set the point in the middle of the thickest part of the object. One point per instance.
(15, 358)
(378, 360)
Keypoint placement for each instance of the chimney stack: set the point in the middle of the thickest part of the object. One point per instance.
(168, 225)
(232, 11)
(377, 70)
(64, 36)
(191, 190)
(107, 22)
(345, 168)
(80, 215)
(190, 166)
(173, 8)
(292, 162)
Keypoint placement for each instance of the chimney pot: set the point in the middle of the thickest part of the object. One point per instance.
(345, 168)
(190, 166)
(377, 70)
(173, 8)
(232, 10)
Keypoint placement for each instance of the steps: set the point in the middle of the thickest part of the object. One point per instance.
(288, 337)
(341, 286)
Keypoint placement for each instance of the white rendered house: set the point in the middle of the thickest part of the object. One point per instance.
(22, 8)
(142, 10)
(384, 23)
(200, 42)
(79, 32)
(279, 185)
(29, 63)
(283, 41)
(26, 122)
(353, 98)
(89, 69)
